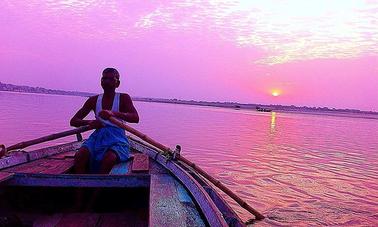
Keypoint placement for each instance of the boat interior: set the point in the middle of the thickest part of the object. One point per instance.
(56, 206)
(40, 189)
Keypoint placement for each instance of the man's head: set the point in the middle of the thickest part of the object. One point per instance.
(110, 79)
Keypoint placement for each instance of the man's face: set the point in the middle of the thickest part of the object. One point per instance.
(109, 81)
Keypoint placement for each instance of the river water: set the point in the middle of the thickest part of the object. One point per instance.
(297, 169)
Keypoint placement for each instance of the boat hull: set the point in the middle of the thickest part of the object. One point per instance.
(176, 195)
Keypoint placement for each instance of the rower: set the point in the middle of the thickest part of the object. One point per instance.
(108, 144)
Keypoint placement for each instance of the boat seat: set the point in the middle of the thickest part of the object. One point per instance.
(140, 163)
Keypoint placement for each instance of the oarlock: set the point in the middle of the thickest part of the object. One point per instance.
(3, 150)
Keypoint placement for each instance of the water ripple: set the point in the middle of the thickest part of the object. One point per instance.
(312, 171)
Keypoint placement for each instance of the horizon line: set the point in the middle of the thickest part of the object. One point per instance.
(184, 100)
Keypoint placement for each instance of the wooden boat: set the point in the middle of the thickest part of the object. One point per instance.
(153, 188)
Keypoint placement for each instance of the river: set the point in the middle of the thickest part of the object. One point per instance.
(297, 169)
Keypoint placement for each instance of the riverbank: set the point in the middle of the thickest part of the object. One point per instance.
(269, 108)
(230, 105)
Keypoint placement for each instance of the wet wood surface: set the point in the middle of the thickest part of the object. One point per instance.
(5, 176)
(45, 165)
(140, 163)
(171, 205)
(64, 155)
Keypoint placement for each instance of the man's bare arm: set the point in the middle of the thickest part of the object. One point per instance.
(127, 110)
(77, 119)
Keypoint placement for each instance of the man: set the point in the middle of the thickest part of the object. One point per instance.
(108, 144)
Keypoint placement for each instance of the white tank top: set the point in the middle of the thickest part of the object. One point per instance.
(115, 107)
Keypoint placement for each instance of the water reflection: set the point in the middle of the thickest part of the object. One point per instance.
(306, 170)
(273, 122)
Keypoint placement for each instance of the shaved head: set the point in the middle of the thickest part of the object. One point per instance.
(111, 71)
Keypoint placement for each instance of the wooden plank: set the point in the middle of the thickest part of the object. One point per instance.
(5, 176)
(122, 168)
(122, 219)
(183, 195)
(15, 159)
(78, 220)
(193, 217)
(140, 163)
(165, 207)
(25, 166)
(68, 154)
(33, 169)
(51, 166)
(48, 220)
(156, 168)
(59, 167)
(170, 207)
(80, 180)
(207, 206)
(49, 151)
(19, 157)
(129, 218)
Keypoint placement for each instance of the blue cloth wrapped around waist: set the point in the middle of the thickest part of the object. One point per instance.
(104, 139)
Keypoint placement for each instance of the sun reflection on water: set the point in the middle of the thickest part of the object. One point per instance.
(273, 122)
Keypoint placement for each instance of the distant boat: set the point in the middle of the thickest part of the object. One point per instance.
(153, 188)
(263, 109)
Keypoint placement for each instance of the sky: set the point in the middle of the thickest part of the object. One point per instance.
(320, 53)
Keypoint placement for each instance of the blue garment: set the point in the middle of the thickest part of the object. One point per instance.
(102, 140)
(109, 137)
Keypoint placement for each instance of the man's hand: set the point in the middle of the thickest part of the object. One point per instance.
(96, 124)
(106, 114)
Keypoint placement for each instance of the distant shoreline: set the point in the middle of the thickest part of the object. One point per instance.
(230, 105)
(40, 90)
(251, 107)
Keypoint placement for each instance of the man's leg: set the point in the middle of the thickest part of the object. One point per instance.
(109, 160)
(81, 160)
(107, 163)
(80, 167)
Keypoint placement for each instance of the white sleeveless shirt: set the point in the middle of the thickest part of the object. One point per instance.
(115, 107)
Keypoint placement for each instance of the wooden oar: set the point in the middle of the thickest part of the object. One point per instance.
(4, 150)
(216, 182)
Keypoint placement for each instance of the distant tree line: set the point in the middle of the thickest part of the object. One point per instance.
(235, 105)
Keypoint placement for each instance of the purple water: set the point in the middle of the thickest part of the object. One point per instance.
(297, 169)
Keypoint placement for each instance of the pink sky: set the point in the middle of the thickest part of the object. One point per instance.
(313, 53)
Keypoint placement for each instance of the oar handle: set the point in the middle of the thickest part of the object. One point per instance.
(139, 134)
(4, 150)
(217, 183)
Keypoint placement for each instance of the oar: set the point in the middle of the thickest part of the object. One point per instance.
(4, 150)
(216, 182)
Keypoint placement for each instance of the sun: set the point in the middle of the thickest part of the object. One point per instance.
(276, 93)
